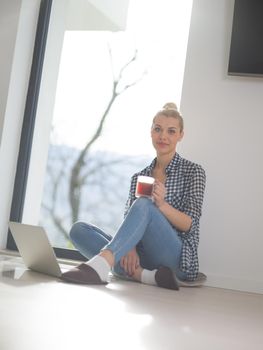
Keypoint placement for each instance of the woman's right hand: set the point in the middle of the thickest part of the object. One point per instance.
(159, 192)
(130, 262)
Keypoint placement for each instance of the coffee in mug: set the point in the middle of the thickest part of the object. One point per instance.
(144, 187)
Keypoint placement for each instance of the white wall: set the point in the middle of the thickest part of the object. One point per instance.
(9, 13)
(20, 19)
(224, 123)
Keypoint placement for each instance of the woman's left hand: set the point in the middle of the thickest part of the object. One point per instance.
(130, 262)
(159, 192)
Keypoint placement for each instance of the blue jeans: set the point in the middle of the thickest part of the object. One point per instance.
(146, 228)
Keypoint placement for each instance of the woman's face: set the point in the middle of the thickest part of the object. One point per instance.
(165, 134)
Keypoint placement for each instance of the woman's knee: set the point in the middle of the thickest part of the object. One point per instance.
(77, 231)
(143, 203)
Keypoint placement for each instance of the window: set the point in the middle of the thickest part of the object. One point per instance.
(103, 80)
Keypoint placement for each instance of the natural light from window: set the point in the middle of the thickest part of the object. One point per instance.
(158, 30)
(118, 80)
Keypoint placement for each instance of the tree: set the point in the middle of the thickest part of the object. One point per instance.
(80, 166)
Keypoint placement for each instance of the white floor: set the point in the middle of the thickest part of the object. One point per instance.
(38, 312)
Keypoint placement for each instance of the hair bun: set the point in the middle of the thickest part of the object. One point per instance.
(170, 106)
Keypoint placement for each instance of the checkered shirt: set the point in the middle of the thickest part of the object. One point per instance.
(185, 186)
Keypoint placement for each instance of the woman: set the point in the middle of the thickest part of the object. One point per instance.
(157, 241)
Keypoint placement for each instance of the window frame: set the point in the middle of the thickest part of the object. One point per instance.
(27, 133)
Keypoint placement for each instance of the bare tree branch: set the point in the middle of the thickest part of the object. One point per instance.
(99, 166)
(133, 59)
(132, 84)
(76, 181)
(80, 172)
(57, 221)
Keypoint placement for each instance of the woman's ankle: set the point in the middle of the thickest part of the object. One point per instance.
(108, 256)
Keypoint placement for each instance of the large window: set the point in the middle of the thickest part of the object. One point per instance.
(104, 78)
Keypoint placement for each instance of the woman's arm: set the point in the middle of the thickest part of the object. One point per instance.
(187, 219)
(177, 218)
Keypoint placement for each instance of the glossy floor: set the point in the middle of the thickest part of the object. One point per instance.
(40, 312)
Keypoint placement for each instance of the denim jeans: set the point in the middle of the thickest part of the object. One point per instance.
(145, 227)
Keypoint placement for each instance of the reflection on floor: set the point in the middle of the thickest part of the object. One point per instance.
(39, 312)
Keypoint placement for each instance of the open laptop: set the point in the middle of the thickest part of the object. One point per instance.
(35, 249)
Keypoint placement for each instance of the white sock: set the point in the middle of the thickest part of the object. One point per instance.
(101, 266)
(148, 277)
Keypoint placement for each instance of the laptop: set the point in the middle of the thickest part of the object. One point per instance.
(35, 249)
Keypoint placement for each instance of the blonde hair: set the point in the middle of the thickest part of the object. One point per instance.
(170, 110)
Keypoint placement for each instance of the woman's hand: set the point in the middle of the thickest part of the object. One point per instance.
(159, 192)
(130, 262)
(176, 217)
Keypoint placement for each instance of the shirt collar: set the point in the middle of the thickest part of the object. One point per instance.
(173, 163)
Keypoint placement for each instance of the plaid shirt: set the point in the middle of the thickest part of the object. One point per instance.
(185, 185)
